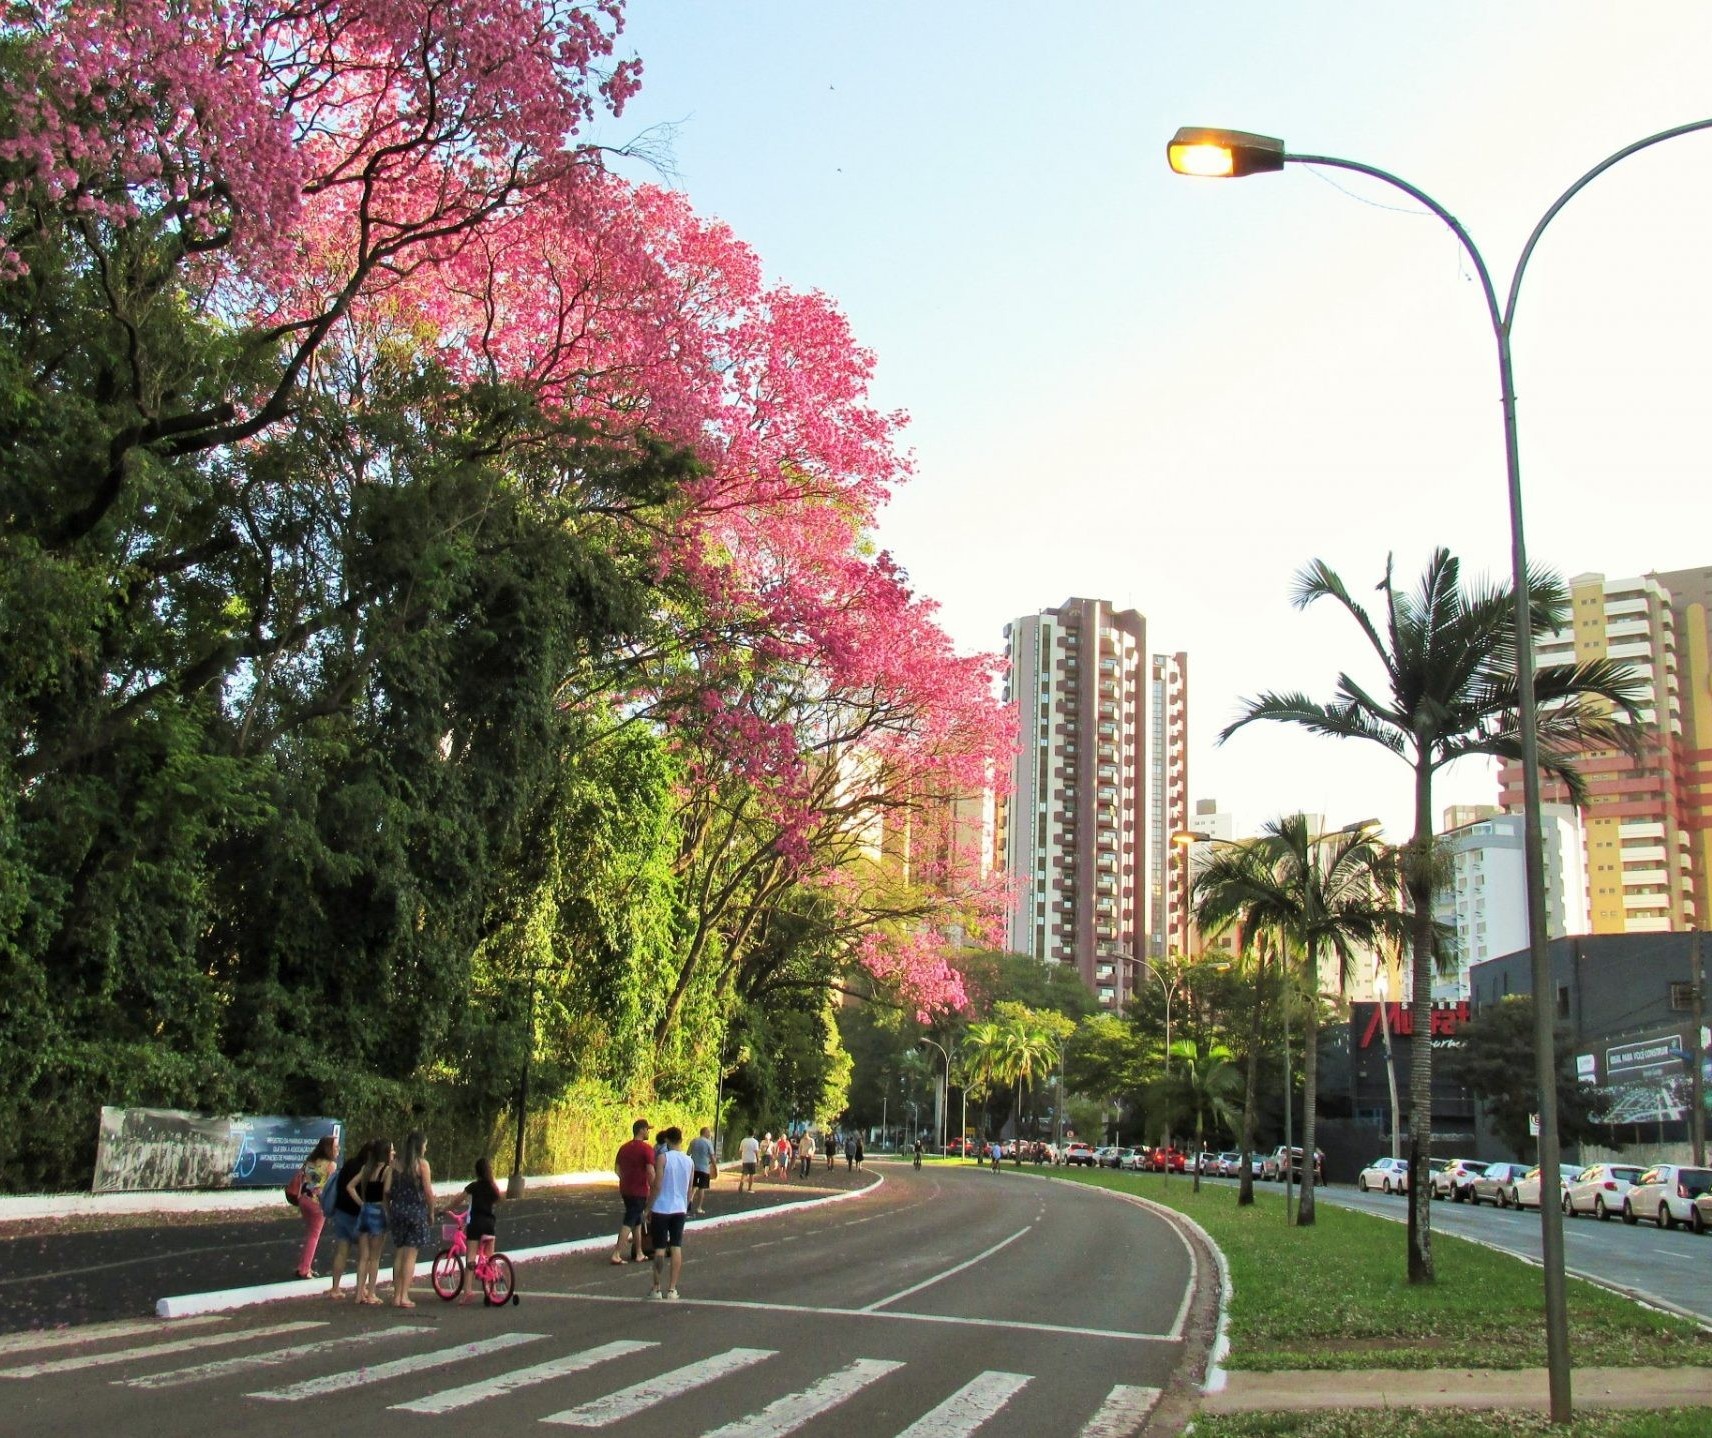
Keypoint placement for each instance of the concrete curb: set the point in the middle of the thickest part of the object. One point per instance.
(24, 1207)
(225, 1300)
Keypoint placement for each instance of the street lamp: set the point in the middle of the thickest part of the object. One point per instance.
(1213, 153)
(945, 1102)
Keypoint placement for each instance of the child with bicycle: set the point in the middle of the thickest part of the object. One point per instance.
(479, 1199)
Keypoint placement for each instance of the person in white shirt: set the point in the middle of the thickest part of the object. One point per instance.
(668, 1206)
(749, 1155)
(805, 1151)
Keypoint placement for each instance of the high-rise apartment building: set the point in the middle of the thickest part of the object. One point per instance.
(1074, 826)
(1484, 901)
(1690, 593)
(1167, 804)
(1639, 878)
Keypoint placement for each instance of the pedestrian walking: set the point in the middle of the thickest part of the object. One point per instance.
(668, 1205)
(409, 1197)
(347, 1210)
(861, 1152)
(368, 1188)
(782, 1157)
(706, 1170)
(768, 1149)
(849, 1152)
(749, 1155)
(805, 1151)
(321, 1165)
(635, 1169)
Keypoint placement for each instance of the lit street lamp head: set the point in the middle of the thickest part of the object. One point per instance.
(1223, 154)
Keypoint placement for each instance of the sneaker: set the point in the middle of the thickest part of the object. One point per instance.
(671, 1293)
(654, 1293)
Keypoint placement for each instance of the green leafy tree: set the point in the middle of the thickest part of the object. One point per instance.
(1447, 653)
(1494, 1059)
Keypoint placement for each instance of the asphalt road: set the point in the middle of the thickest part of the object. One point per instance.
(943, 1303)
(50, 1276)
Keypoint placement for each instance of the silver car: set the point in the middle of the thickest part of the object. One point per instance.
(1388, 1175)
(1455, 1180)
(1599, 1188)
(1497, 1185)
(1230, 1165)
(1665, 1193)
(1528, 1190)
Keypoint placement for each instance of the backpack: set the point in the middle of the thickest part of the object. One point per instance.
(294, 1189)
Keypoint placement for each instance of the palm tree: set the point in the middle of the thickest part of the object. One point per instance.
(983, 1055)
(1206, 1078)
(1448, 654)
(1028, 1046)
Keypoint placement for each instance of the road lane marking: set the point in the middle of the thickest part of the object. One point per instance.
(155, 1350)
(448, 1400)
(789, 1412)
(1017, 1324)
(271, 1359)
(1124, 1411)
(949, 1273)
(969, 1407)
(340, 1383)
(36, 1339)
(598, 1412)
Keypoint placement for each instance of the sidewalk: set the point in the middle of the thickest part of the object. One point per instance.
(1313, 1390)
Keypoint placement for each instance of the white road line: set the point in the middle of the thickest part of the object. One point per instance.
(154, 1350)
(788, 1413)
(448, 1400)
(340, 1383)
(969, 1407)
(1122, 1414)
(949, 1273)
(600, 1411)
(271, 1359)
(36, 1339)
(1018, 1324)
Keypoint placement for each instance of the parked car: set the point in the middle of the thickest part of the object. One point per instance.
(1496, 1184)
(1134, 1160)
(1230, 1165)
(1166, 1160)
(1272, 1166)
(1455, 1180)
(1206, 1163)
(1665, 1193)
(1702, 1213)
(1388, 1175)
(955, 1146)
(1528, 1190)
(1078, 1153)
(1599, 1188)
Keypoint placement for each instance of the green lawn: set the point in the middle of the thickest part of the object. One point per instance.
(1335, 1296)
(1416, 1423)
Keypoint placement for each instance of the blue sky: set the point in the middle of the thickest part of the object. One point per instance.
(1173, 394)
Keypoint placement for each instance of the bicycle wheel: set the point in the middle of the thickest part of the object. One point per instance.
(501, 1283)
(447, 1274)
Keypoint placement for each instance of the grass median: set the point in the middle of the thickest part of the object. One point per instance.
(1452, 1423)
(1336, 1296)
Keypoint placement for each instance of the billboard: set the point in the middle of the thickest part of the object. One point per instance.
(161, 1148)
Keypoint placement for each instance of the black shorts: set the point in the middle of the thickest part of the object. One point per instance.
(701, 1179)
(633, 1210)
(667, 1230)
(479, 1228)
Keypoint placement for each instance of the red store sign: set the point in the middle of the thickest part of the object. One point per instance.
(1400, 1018)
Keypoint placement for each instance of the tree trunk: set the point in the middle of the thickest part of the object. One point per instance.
(1310, 1090)
(1419, 881)
(1245, 1183)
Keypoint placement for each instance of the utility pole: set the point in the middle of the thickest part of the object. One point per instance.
(1696, 1058)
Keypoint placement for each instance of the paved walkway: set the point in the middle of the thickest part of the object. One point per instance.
(1458, 1388)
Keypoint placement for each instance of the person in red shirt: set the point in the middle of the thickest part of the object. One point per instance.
(635, 1170)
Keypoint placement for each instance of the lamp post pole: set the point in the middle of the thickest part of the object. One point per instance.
(1227, 153)
(945, 1102)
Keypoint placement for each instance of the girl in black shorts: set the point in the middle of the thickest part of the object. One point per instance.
(480, 1199)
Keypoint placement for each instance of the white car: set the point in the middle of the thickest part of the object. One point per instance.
(1528, 1190)
(1230, 1165)
(1388, 1175)
(1665, 1193)
(1599, 1188)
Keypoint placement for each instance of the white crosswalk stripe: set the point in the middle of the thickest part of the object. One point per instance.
(789, 1413)
(36, 1339)
(448, 1400)
(154, 1350)
(600, 1411)
(271, 1359)
(969, 1407)
(339, 1384)
(1124, 1411)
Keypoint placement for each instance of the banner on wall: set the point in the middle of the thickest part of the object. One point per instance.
(163, 1148)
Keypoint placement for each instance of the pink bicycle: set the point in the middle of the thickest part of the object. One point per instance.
(492, 1270)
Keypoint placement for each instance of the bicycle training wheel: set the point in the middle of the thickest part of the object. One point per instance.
(501, 1283)
(447, 1274)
